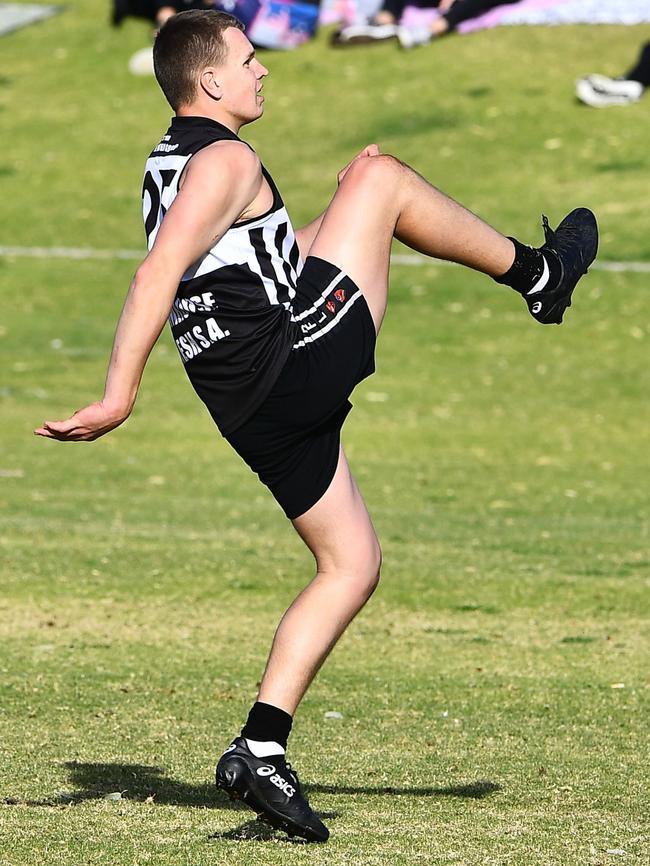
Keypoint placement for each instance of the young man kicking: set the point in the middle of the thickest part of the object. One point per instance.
(275, 329)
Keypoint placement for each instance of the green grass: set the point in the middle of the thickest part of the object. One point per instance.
(495, 691)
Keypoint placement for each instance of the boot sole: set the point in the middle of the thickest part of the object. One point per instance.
(590, 251)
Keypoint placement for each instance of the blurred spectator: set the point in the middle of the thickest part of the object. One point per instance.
(269, 24)
(385, 24)
(156, 11)
(599, 91)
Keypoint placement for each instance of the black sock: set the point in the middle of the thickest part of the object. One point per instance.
(528, 267)
(267, 723)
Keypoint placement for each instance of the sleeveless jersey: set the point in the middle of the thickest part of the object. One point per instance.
(231, 317)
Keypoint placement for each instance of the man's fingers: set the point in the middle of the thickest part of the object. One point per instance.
(369, 150)
(62, 430)
(84, 425)
(68, 426)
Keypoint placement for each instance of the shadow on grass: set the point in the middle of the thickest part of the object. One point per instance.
(471, 791)
(144, 783)
(259, 831)
(137, 782)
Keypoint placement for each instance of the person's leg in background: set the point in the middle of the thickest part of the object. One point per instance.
(601, 91)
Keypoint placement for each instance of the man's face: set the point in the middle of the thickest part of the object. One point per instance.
(241, 77)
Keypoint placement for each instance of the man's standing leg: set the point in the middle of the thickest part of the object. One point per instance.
(340, 534)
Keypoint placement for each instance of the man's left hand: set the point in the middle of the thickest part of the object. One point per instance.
(369, 150)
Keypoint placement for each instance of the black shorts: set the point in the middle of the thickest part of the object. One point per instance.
(292, 441)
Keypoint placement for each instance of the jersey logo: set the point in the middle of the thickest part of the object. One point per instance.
(165, 148)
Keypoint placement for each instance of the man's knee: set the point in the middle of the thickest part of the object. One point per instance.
(359, 567)
(382, 171)
(368, 566)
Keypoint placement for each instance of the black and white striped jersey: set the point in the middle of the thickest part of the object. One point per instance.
(231, 318)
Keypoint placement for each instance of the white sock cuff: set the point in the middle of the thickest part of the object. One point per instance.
(264, 749)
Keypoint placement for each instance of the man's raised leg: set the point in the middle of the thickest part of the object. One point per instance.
(380, 198)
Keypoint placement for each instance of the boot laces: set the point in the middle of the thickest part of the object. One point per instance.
(549, 234)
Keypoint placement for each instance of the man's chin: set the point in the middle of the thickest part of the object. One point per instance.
(251, 118)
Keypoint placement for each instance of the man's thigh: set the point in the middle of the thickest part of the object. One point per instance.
(357, 229)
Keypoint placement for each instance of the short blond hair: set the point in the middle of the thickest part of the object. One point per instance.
(186, 44)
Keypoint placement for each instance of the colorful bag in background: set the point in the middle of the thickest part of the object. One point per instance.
(280, 24)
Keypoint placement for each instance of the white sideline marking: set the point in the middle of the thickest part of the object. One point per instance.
(411, 259)
(619, 267)
(69, 253)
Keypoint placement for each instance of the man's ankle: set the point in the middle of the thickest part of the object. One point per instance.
(267, 724)
(531, 269)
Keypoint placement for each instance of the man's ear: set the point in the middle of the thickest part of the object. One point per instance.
(210, 83)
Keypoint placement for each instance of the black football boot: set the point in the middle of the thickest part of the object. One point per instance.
(271, 788)
(574, 244)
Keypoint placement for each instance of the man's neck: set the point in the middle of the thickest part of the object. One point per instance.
(198, 109)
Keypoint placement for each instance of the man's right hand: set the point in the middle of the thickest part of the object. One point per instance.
(85, 425)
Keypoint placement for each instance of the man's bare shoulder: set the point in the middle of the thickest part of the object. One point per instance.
(226, 158)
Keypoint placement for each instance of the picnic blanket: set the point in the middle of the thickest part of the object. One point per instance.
(550, 12)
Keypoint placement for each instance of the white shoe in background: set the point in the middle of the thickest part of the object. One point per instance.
(410, 37)
(599, 91)
(364, 34)
(141, 63)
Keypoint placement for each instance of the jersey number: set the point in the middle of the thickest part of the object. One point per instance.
(155, 193)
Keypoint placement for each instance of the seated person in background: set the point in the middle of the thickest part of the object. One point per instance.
(156, 11)
(385, 24)
(599, 91)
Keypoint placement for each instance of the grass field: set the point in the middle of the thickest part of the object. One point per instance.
(495, 692)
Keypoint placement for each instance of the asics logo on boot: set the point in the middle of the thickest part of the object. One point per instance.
(537, 306)
(283, 785)
(277, 780)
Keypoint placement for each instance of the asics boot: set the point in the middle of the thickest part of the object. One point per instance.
(271, 788)
(574, 244)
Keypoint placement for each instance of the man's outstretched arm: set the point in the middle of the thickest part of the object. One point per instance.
(219, 185)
